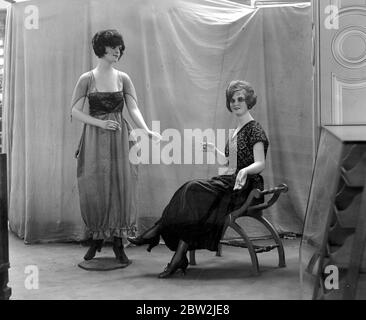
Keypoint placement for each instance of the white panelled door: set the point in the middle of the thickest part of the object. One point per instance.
(340, 61)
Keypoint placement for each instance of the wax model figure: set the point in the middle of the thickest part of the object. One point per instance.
(106, 178)
(194, 218)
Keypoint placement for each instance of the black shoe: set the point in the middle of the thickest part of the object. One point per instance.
(170, 269)
(139, 241)
(96, 245)
(119, 251)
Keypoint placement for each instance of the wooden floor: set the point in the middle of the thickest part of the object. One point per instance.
(226, 277)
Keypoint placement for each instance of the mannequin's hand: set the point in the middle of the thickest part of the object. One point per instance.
(155, 136)
(208, 147)
(241, 179)
(110, 125)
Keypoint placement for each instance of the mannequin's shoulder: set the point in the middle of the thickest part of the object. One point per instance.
(86, 76)
(123, 75)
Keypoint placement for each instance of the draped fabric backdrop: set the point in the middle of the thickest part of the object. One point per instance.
(181, 55)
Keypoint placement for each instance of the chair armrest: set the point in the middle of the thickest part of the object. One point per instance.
(256, 193)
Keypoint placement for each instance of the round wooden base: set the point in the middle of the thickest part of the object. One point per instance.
(103, 264)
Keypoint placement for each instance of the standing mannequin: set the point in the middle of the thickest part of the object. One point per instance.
(106, 178)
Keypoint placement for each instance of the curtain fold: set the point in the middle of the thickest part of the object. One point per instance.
(181, 55)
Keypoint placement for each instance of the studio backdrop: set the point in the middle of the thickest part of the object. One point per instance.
(180, 55)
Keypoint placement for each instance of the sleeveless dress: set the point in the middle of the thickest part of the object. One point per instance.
(197, 211)
(107, 181)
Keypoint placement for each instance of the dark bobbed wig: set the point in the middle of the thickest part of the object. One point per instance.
(107, 38)
(238, 85)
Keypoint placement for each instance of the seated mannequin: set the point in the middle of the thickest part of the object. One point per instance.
(194, 218)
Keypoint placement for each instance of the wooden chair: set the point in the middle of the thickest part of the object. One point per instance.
(254, 211)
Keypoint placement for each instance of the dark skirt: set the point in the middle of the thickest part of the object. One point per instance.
(197, 211)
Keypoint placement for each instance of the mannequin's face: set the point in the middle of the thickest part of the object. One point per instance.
(112, 54)
(237, 103)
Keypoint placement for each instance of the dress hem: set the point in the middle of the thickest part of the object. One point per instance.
(107, 234)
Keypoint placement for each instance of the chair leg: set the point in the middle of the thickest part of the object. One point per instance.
(192, 257)
(253, 255)
(313, 260)
(277, 239)
(219, 248)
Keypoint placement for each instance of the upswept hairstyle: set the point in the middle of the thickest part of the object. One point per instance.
(238, 85)
(107, 38)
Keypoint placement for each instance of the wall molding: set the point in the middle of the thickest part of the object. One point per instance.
(338, 85)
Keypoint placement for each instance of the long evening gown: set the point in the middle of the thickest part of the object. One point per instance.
(107, 181)
(196, 213)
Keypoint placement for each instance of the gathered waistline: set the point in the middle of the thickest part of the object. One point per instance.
(104, 113)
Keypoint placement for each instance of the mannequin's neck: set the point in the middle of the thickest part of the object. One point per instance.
(104, 66)
(244, 119)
